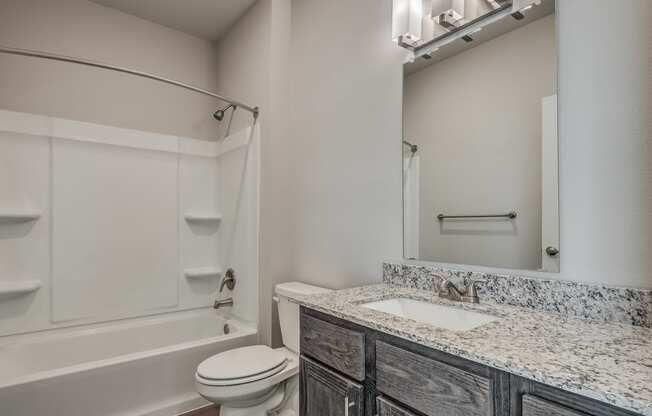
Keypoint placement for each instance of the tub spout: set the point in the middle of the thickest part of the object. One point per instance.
(223, 303)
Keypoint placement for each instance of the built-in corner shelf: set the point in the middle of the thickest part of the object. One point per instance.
(17, 217)
(18, 288)
(206, 218)
(202, 272)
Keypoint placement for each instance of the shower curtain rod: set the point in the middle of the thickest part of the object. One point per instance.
(63, 58)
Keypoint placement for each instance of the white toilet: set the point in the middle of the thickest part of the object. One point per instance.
(250, 381)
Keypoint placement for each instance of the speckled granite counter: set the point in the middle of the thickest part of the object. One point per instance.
(609, 362)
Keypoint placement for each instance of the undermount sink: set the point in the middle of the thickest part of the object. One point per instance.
(429, 313)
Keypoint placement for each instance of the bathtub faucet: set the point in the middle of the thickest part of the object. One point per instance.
(223, 303)
(228, 280)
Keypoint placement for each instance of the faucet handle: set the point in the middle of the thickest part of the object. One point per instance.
(471, 294)
(228, 280)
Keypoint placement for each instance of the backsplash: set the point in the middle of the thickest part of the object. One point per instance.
(581, 300)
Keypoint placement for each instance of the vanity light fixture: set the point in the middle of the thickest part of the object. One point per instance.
(407, 25)
(449, 14)
(410, 31)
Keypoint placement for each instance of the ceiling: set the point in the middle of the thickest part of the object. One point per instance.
(207, 19)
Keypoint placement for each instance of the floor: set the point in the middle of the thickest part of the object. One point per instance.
(204, 411)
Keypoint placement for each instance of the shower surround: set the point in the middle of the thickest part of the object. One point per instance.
(117, 265)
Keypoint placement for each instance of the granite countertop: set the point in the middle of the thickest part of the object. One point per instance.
(609, 362)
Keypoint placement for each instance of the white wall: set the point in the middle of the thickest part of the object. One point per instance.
(344, 145)
(252, 65)
(329, 215)
(476, 118)
(604, 115)
(85, 29)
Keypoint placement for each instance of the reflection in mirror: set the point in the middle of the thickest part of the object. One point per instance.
(480, 174)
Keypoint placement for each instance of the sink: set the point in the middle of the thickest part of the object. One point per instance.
(440, 316)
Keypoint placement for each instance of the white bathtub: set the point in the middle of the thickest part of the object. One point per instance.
(135, 367)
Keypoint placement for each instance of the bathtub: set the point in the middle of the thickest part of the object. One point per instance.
(136, 367)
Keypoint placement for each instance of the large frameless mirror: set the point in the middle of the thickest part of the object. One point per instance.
(480, 160)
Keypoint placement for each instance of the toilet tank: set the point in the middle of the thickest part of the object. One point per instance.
(288, 311)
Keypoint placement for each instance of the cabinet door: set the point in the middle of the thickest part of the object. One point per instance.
(530, 398)
(534, 406)
(386, 408)
(325, 393)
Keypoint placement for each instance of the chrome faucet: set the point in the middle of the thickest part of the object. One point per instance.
(223, 303)
(448, 290)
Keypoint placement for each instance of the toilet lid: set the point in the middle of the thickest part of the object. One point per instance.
(251, 363)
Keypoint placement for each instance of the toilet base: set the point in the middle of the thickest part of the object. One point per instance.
(291, 407)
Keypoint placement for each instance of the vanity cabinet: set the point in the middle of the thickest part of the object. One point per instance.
(435, 387)
(529, 398)
(387, 408)
(351, 370)
(340, 348)
(325, 393)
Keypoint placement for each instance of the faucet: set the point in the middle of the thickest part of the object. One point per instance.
(448, 290)
(228, 280)
(223, 303)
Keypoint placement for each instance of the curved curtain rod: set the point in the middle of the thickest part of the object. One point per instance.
(63, 58)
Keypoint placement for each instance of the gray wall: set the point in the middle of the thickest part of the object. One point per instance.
(85, 29)
(604, 120)
(252, 65)
(476, 118)
(344, 147)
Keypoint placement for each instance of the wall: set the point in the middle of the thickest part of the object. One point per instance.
(112, 241)
(476, 118)
(252, 60)
(323, 221)
(604, 121)
(344, 145)
(84, 29)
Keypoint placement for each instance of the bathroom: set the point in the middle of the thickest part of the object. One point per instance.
(289, 207)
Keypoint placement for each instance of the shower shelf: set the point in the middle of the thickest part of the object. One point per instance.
(202, 272)
(194, 217)
(18, 288)
(10, 217)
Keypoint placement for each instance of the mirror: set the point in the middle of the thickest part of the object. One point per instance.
(480, 160)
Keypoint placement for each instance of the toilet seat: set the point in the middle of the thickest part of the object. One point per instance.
(241, 366)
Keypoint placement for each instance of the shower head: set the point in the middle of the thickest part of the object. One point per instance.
(413, 147)
(219, 114)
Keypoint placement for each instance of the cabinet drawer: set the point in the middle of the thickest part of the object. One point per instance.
(430, 386)
(386, 408)
(534, 406)
(337, 347)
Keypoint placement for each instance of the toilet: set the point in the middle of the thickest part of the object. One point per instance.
(258, 380)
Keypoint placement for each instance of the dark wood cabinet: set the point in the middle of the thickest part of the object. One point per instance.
(534, 406)
(387, 408)
(325, 393)
(529, 398)
(338, 347)
(345, 366)
(431, 386)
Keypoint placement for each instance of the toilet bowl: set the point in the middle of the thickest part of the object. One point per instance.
(254, 380)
